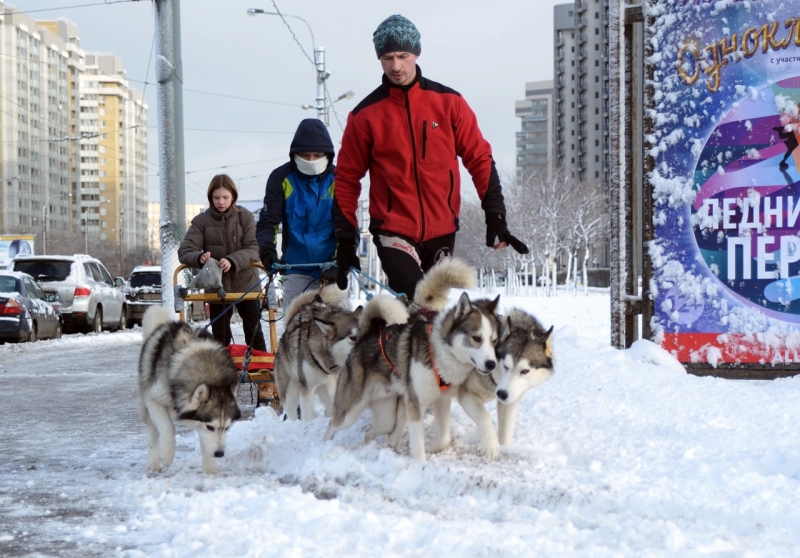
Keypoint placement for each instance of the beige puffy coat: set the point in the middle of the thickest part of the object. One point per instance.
(230, 235)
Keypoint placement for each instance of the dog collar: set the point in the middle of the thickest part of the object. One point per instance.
(442, 384)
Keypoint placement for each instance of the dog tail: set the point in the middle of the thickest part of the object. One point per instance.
(333, 295)
(385, 309)
(154, 317)
(301, 300)
(330, 294)
(450, 273)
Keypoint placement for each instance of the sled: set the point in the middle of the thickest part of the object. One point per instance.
(259, 371)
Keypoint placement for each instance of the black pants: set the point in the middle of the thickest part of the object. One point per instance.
(251, 323)
(405, 262)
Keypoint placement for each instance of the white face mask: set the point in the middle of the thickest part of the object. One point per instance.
(311, 168)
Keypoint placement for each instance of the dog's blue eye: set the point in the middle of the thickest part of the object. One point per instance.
(210, 428)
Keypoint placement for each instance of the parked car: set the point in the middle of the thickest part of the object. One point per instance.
(143, 290)
(26, 313)
(90, 299)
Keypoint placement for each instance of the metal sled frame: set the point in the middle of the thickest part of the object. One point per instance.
(257, 377)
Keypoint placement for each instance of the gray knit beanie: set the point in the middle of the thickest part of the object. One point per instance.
(396, 34)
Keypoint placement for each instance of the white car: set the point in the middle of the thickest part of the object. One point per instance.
(90, 299)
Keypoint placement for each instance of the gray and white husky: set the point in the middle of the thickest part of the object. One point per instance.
(433, 352)
(320, 333)
(525, 356)
(188, 376)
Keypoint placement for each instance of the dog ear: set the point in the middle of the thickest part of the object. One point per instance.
(492, 306)
(357, 311)
(505, 328)
(463, 307)
(199, 396)
(548, 343)
(327, 328)
(318, 299)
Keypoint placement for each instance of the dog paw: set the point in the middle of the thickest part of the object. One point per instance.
(490, 448)
(210, 468)
(438, 445)
(154, 466)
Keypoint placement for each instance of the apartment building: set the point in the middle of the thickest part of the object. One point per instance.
(581, 88)
(38, 99)
(535, 138)
(113, 152)
(73, 137)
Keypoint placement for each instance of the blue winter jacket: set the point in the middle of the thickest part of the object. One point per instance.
(302, 204)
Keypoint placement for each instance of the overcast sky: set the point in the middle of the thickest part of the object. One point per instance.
(485, 50)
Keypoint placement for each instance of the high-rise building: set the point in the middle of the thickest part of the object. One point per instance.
(581, 88)
(37, 101)
(535, 138)
(113, 154)
(73, 137)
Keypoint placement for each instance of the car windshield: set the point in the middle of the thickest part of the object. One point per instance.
(44, 270)
(8, 284)
(145, 280)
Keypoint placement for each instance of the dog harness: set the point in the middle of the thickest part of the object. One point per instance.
(384, 337)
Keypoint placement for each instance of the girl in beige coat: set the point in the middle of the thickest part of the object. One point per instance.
(227, 233)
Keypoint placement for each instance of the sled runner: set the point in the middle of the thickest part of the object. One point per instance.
(259, 366)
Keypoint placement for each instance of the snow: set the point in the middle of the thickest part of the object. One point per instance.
(621, 453)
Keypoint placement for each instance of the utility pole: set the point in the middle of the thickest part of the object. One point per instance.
(169, 72)
(322, 75)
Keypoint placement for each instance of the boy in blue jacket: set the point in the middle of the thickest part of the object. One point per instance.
(299, 196)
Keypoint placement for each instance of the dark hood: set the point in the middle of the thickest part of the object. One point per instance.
(312, 136)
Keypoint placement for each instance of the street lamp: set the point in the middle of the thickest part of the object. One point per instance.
(319, 64)
(45, 210)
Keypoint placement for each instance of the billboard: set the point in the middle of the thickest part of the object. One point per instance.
(12, 245)
(725, 108)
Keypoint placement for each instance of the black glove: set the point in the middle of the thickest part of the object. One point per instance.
(496, 227)
(346, 258)
(269, 257)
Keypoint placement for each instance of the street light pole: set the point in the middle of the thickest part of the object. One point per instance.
(319, 64)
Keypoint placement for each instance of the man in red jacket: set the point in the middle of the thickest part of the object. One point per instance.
(408, 134)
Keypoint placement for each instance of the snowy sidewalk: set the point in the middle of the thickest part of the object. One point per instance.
(612, 457)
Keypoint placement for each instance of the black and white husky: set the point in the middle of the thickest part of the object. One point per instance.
(410, 365)
(525, 356)
(186, 376)
(320, 333)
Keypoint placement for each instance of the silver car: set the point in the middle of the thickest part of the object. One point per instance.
(90, 299)
(143, 290)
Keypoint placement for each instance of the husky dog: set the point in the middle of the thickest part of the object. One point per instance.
(320, 333)
(433, 352)
(188, 376)
(525, 354)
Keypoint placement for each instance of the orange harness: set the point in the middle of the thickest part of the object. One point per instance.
(385, 335)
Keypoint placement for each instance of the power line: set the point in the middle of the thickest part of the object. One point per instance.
(230, 131)
(292, 32)
(106, 3)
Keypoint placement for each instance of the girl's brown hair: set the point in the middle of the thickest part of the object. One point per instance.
(223, 181)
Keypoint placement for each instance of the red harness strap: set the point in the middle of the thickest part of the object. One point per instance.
(383, 352)
(442, 384)
(384, 336)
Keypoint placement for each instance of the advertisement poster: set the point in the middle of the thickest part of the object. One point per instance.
(12, 245)
(725, 183)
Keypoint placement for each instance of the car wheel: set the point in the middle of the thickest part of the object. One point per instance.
(97, 324)
(59, 330)
(32, 337)
(123, 318)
